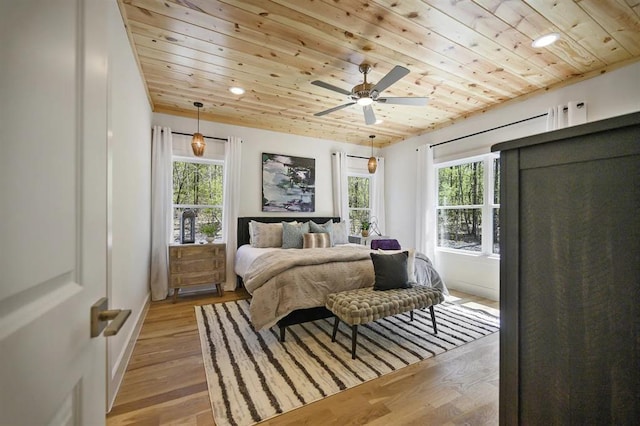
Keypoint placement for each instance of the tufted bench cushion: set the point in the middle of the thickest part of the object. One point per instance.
(364, 305)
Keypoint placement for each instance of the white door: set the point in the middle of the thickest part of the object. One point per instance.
(53, 98)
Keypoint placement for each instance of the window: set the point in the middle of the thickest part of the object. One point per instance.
(197, 185)
(468, 198)
(359, 201)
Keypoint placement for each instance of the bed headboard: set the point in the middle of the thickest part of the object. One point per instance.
(243, 223)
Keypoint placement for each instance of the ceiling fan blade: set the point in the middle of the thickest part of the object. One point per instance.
(330, 110)
(404, 101)
(394, 75)
(369, 115)
(330, 87)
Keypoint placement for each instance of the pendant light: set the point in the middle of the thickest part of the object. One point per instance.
(373, 163)
(197, 143)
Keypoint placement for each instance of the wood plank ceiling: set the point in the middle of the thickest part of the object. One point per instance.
(465, 56)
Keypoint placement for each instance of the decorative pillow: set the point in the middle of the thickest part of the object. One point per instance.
(411, 262)
(390, 271)
(316, 240)
(265, 234)
(385, 244)
(292, 234)
(324, 228)
(340, 234)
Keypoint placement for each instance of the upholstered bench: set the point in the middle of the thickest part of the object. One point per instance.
(364, 305)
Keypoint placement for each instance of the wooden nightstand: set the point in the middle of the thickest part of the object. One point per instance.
(197, 264)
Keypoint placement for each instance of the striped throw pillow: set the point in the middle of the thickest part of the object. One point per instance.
(316, 240)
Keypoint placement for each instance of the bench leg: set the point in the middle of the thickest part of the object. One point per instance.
(283, 330)
(433, 319)
(354, 336)
(335, 329)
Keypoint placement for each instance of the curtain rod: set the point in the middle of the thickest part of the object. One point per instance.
(353, 156)
(191, 134)
(579, 105)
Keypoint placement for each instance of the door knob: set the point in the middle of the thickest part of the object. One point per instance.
(100, 317)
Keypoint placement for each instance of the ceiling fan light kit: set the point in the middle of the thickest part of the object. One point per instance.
(366, 94)
(197, 143)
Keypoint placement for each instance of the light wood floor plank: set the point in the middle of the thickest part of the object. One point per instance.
(165, 382)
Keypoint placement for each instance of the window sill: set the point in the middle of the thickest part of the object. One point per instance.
(468, 253)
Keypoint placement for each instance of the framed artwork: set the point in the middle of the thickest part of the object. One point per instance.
(288, 183)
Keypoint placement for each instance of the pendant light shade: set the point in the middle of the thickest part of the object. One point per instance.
(372, 165)
(197, 143)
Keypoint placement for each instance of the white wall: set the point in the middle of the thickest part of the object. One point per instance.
(130, 152)
(608, 95)
(255, 142)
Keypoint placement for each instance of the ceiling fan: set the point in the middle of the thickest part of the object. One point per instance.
(366, 93)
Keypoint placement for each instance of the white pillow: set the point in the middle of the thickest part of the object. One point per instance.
(411, 262)
(265, 234)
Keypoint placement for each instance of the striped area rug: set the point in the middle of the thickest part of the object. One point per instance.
(253, 377)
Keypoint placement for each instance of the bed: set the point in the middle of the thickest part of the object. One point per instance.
(289, 286)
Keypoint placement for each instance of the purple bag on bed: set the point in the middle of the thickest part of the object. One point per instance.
(385, 244)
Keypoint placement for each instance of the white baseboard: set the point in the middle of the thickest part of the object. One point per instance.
(123, 360)
(476, 290)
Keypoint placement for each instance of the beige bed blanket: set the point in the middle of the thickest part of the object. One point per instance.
(285, 280)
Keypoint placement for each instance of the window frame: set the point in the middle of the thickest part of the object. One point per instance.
(486, 208)
(197, 207)
(349, 209)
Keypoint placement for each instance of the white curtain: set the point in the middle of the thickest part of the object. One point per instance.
(231, 204)
(426, 203)
(561, 116)
(576, 113)
(377, 202)
(340, 187)
(556, 118)
(161, 187)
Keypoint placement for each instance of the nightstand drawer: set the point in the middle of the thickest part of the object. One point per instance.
(201, 251)
(196, 278)
(195, 265)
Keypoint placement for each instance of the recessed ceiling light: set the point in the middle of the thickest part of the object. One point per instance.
(237, 90)
(545, 40)
(379, 121)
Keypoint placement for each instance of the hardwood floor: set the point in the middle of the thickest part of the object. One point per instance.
(165, 381)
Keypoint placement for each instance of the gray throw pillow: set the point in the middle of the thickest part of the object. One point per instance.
(390, 271)
(292, 234)
(340, 235)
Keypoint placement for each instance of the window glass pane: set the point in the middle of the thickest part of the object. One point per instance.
(203, 215)
(496, 181)
(461, 185)
(195, 183)
(356, 217)
(198, 184)
(460, 229)
(496, 231)
(358, 192)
